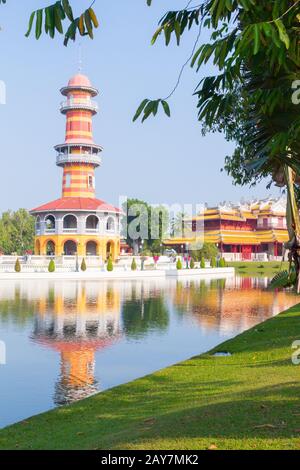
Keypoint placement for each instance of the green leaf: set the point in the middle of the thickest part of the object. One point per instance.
(39, 22)
(148, 110)
(282, 33)
(30, 24)
(177, 28)
(166, 108)
(140, 109)
(68, 9)
(256, 31)
(58, 23)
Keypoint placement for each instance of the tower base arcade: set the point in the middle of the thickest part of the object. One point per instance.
(81, 245)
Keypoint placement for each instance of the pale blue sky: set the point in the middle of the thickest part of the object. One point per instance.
(162, 161)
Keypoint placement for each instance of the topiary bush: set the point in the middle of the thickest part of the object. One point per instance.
(17, 266)
(192, 264)
(51, 267)
(133, 265)
(179, 264)
(213, 262)
(202, 262)
(222, 263)
(83, 265)
(110, 266)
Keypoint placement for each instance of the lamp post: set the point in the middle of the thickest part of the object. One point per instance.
(187, 255)
(77, 262)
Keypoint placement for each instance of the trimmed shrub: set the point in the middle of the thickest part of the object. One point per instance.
(192, 264)
(133, 265)
(83, 265)
(110, 266)
(222, 263)
(17, 266)
(213, 262)
(51, 267)
(202, 262)
(179, 264)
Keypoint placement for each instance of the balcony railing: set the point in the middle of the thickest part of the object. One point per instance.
(70, 230)
(63, 158)
(76, 104)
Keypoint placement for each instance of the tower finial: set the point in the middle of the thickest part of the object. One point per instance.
(80, 57)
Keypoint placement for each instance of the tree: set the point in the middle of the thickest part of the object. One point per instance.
(83, 265)
(255, 46)
(207, 251)
(51, 20)
(202, 262)
(16, 232)
(51, 266)
(110, 266)
(213, 262)
(144, 223)
(17, 266)
(133, 265)
(179, 264)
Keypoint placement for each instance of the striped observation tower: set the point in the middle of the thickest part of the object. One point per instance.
(79, 155)
(78, 223)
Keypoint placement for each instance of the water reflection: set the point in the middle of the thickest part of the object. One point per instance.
(230, 305)
(77, 321)
(104, 333)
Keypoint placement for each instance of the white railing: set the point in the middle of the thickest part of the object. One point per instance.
(78, 157)
(70, 230)
(76, 104)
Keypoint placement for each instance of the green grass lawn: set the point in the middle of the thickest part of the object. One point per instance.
(250, 400)
(259, 269)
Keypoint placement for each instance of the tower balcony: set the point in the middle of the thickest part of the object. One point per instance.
(72, 104)
(89, 158)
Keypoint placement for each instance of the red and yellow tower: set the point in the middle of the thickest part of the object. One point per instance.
(79, 155)
(78, 222)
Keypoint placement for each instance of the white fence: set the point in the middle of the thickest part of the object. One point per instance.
(252, 257)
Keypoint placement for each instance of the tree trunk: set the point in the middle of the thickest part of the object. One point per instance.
(293, 223)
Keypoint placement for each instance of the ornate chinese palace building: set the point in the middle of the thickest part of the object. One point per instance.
(241, 232)
(78, 222)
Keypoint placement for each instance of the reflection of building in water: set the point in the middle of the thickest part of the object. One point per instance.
(242, 304)
(77, 320)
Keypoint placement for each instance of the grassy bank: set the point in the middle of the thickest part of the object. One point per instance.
(250, 400)
(260, 269)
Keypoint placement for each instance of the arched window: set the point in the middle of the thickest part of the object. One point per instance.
(50, 248)
(92, 223)
(70, 223)
(70, 248)
(91, 248)
(110, 224)
(38, 224)
(50, 223)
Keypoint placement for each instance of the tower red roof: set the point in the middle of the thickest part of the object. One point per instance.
(80, 80)
(77, 203)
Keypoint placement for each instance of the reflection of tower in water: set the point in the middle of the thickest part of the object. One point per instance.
(77, 321)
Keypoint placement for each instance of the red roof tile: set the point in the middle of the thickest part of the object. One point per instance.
(76, 203)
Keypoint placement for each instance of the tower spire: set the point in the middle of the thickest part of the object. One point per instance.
(80, 62)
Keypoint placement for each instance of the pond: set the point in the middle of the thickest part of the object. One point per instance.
(67, 340)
